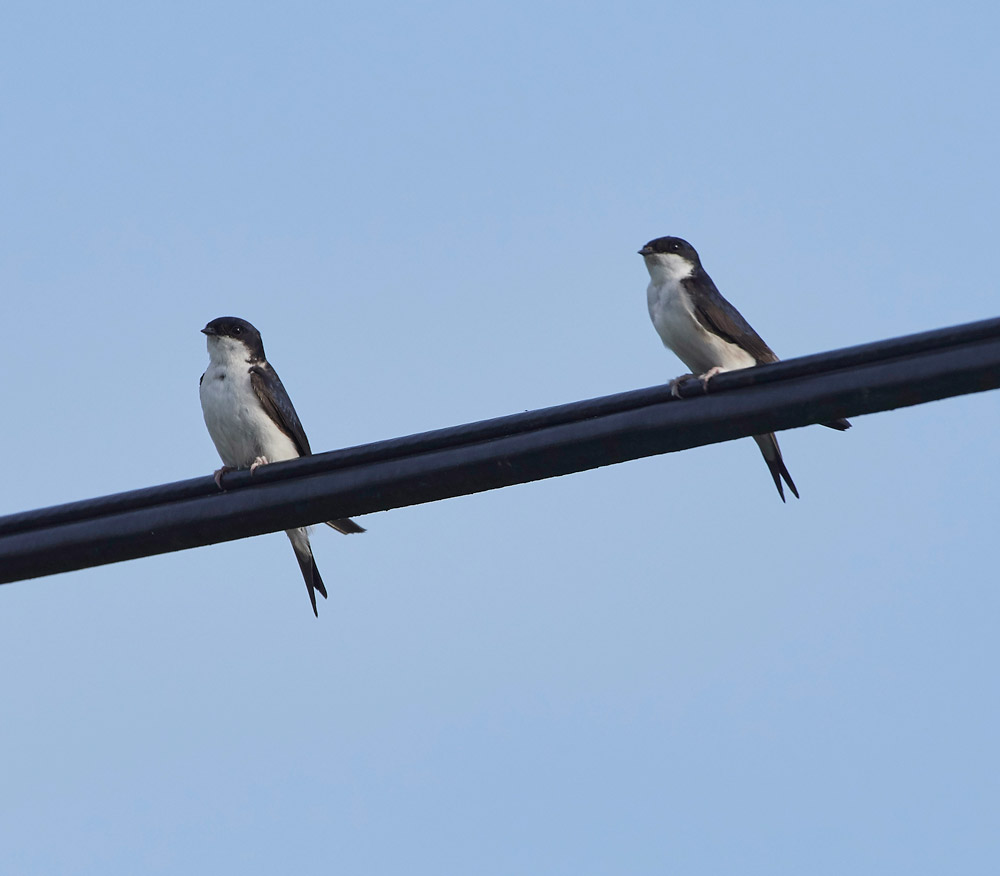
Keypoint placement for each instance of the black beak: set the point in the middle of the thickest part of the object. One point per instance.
(208, 330)
(645, 251)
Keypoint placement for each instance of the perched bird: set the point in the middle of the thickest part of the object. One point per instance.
(706, 332)
(252, 422)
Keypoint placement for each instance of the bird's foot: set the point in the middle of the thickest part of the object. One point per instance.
(675, 385)
(257, 463)
(220, 472)
(708, 375)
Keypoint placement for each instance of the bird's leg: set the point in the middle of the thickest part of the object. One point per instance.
(708, 375)
(675, 385)
(257, 463)
(220, 472)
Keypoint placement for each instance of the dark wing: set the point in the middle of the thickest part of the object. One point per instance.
(719, 316)
(267, 385)
(345, 526)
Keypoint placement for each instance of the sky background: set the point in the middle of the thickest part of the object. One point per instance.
(431, 211)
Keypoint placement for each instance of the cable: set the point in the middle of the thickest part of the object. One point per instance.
(509, 450)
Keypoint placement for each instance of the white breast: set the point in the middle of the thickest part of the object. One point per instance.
(238, 425)
(673, 317)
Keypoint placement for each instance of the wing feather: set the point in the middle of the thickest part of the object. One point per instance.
(719, 316)
(273, 398)
(268, 388)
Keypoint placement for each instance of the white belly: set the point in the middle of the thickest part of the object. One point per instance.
(673, 318)
(240, 428)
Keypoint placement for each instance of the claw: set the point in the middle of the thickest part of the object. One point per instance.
(219, 473)
(708, 375)
(675, 385)
(257, 463)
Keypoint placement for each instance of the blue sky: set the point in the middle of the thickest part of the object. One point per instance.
(431, 212)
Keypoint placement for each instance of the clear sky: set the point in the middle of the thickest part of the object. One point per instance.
(431, 212)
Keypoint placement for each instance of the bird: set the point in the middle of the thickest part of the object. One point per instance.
(252, 422)
(706, 332)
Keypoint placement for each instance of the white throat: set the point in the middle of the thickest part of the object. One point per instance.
(668, 267)
(227, 353)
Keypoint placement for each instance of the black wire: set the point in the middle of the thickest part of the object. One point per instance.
(503, 451)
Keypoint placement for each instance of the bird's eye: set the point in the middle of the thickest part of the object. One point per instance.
(237, 329)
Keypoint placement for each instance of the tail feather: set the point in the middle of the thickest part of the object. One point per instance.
(840, 425)
(345, 525)
(769, 449)
(310, 573)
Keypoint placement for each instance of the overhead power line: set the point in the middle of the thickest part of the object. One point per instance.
(497, 453)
